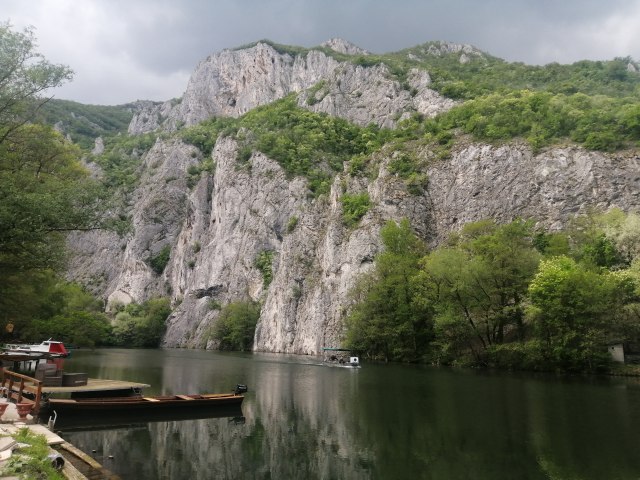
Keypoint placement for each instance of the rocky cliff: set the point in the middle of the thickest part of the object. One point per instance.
(232, 82)
(218, 226)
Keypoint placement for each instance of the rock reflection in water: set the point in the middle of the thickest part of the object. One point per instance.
(304, 421)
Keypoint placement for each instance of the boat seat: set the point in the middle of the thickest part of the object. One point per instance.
(184, 397)
(151, 399)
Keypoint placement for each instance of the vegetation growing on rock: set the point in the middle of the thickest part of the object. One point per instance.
(236, 325)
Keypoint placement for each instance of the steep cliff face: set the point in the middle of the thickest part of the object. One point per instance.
(232, 82)
(217, 225)
(506, 182)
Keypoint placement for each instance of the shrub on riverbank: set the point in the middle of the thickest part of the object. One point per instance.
(141, 325)
(236, 325)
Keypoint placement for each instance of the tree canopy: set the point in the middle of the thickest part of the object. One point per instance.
(44, 190)
(503, 295)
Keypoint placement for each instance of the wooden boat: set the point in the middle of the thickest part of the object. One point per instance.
(143, 403)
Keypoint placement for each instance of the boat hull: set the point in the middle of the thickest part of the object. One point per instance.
(144, 404)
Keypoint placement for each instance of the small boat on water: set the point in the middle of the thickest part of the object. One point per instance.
(339, 357)
(146, 403)
(52, 348)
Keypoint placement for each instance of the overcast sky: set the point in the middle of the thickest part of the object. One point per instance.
(124, 50)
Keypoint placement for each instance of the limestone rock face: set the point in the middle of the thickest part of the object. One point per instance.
(342, 46)
(150, 116)
(217, 223)
(217, 229)
(98, 147)
(507, 182)
(232, 82)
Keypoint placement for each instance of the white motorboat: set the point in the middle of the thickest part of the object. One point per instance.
(51, 347)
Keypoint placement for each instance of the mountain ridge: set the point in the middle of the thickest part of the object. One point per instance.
(217, 212)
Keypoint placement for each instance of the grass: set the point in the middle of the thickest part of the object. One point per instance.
(31, 462)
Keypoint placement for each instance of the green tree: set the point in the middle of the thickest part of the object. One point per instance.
(478, 285)
(572, 308)
(24, 75)
(604, 240)
(142, 325)
(63, 311)
(78, 327)
(236, 325)
(44, 191)
(385, 321)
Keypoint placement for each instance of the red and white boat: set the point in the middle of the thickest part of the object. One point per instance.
(51, 347)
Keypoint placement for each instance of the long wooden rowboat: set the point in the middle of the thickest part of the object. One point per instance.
(142, 403)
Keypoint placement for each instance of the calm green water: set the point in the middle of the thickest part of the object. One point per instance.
(379, 422)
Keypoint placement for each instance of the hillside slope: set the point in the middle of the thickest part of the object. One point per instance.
(221, 203)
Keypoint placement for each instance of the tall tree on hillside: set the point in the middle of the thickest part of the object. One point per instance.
(24, 75)
(386, 322)
(477, 285)
(44, 190)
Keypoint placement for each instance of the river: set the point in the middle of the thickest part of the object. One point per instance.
(300, 420)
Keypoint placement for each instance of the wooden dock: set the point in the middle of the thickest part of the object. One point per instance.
(15, 386)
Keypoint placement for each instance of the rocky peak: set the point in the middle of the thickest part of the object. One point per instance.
(342, 46)
(232, 82)
(444, 48)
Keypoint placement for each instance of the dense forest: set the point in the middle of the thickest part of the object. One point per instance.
(506, 296)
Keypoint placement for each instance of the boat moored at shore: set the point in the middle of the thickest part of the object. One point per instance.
(52, 348)
(143, 403)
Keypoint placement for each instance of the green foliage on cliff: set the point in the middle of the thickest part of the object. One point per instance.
(159, 261)
(120, 161)
(354, 207)
(205, 134)
(542, 118)
(141, 325)
(264, 263)
(236, 325)
(304, 143)
(84, 123)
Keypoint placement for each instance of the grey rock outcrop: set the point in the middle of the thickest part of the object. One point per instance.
(342, 46)
(98, 147)
(507, 182)
(149, 116)
(216, 224)
(217, 229)
(232, 82)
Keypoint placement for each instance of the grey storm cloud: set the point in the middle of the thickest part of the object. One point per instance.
(123, 50)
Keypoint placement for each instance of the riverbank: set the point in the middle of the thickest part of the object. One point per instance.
(625, 371)
(40, 450)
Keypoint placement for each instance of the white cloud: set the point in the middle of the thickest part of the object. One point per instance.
(122, 50)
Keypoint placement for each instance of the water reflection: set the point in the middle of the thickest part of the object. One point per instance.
(301, 420)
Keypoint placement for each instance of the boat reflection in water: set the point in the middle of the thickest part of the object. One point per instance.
(87, 421)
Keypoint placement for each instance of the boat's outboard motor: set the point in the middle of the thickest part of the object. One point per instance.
(354, 361)
(240, 389)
